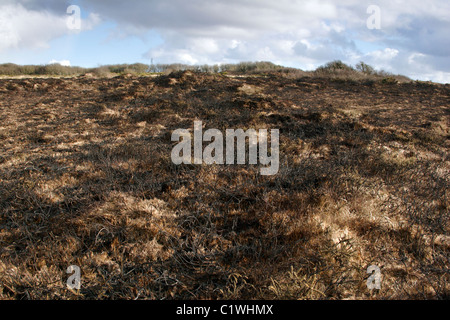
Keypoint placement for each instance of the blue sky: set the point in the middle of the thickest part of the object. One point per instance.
(412, 37)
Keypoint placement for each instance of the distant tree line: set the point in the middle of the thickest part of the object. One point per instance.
(335, 68)
(242, 67)
(338, 66)
(11, 69)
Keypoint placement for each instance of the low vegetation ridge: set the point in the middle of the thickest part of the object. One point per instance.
(332, 69)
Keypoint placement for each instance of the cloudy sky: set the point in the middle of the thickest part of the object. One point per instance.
(411, 38)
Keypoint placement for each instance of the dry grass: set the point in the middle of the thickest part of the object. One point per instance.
(86, 179)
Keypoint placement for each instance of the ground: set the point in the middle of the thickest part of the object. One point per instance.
(86, 179)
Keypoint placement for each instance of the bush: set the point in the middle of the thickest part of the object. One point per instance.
(251, 67)
(334, 66)
(101, 71)
(389, 80)
(136, 68)
(365, 68)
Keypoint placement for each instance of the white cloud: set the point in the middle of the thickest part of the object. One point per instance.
(65, 63)
(383, 55)
(22, 27)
